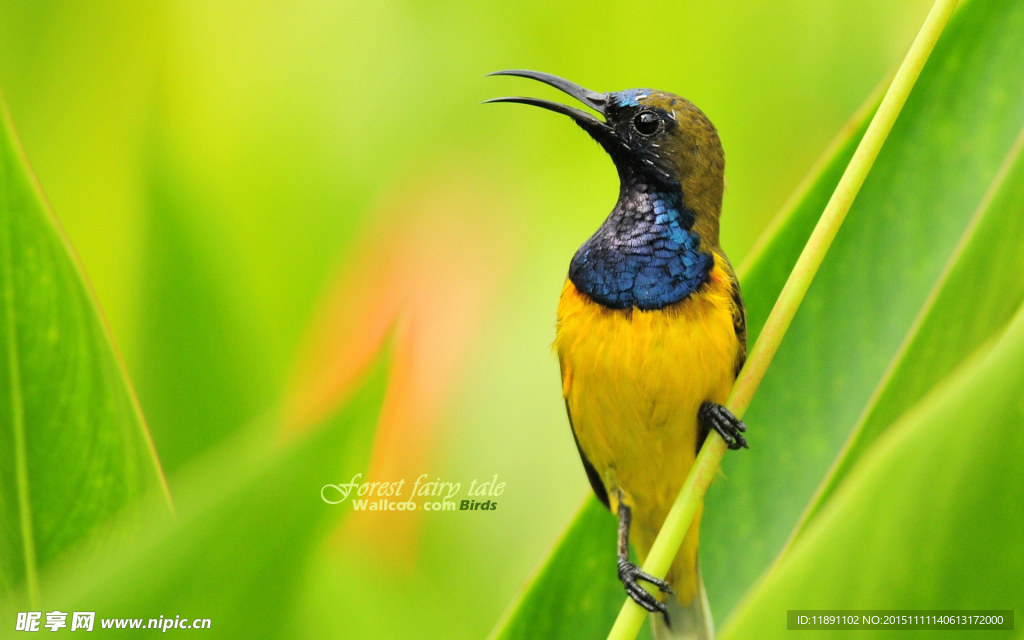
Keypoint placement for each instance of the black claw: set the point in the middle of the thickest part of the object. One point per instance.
(712, 415)
(630, 575)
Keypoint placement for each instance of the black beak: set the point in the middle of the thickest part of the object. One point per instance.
(592, 99)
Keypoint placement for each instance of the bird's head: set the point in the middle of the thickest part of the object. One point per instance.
(655, 138)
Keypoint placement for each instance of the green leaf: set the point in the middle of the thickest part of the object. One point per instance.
(916, 206)
(934, 172)
(579, 567)
(74, 450)
(929, 517)
(987, 271)
(201, 372)
(250, 518)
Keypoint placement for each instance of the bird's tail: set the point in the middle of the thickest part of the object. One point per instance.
(685, 621)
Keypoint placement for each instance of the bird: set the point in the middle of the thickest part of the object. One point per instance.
(651, 330)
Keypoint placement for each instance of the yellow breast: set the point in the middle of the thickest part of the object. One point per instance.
(633, 381)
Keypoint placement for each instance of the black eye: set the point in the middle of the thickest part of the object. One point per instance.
(647, 123)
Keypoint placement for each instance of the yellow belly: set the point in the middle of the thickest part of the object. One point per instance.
(633, 381)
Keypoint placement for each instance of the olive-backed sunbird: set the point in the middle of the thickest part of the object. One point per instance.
(651, 329)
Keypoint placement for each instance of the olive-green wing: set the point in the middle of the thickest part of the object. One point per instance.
(592, 474)
(739, 314)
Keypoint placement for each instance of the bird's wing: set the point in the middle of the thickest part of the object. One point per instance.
(592, 474)
(739, 314)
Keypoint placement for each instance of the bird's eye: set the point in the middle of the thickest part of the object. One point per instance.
(647, 123)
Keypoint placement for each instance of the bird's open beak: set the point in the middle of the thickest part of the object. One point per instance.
(592, 99)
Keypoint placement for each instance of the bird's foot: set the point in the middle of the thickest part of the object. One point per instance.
(630, 575)
(712, 415)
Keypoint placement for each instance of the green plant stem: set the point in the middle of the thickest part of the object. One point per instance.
(666, 545)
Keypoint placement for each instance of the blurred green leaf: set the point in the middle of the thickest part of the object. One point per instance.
(914, 525)
(577, 593)
(204, 373)
(251, 516)
(916, 206)
(74, 449)
(978, 294)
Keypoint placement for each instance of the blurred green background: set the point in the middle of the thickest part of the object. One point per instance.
(259, 190)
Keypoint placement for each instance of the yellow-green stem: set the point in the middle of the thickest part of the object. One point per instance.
(631, 616)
